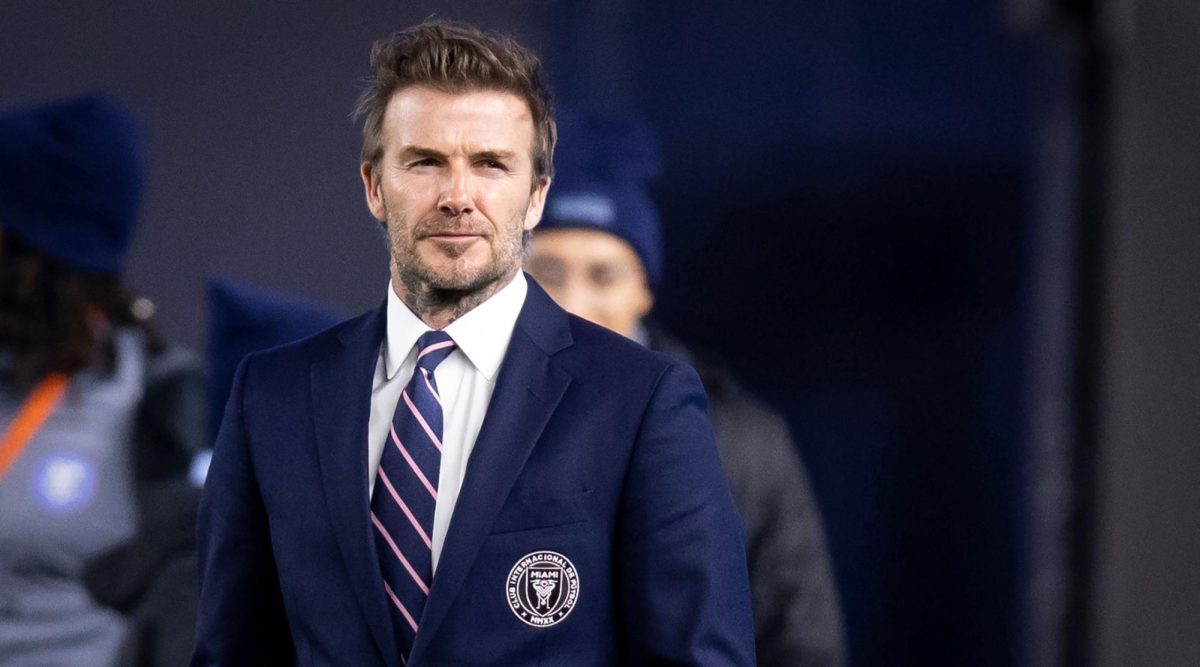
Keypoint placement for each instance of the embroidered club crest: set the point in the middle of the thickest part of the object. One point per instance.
(542, 588)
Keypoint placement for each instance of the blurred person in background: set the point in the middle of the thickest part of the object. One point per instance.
(244, 318)
(598, 253)
(98, 418)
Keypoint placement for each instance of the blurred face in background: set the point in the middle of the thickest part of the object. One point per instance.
(592, 274)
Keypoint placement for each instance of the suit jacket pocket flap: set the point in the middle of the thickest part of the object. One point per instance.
(530, 512)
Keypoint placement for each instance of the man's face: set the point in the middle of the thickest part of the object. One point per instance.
(455, 187)
(592, 274)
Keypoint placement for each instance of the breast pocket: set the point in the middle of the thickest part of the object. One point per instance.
(530, 512)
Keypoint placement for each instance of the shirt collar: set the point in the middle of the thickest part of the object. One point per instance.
(482, 334)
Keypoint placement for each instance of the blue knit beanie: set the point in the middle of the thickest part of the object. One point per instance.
(603, 166)
(245, 318)
(621, 209)
(71, 179)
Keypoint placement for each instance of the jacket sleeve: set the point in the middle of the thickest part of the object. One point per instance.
(241, 617)
(682, 587)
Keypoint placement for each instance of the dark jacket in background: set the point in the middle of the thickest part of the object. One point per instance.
(797, 615)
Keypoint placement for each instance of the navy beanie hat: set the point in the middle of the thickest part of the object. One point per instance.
(621, 209)
(245, 318)
(603, 166)
(71, 179)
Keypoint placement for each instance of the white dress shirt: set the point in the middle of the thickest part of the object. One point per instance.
(465, 381)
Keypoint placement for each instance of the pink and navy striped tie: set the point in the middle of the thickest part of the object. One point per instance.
(406, 491)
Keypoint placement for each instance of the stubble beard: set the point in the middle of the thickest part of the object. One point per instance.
(455, 288)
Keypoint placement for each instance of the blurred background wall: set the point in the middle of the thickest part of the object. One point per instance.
(964, 235)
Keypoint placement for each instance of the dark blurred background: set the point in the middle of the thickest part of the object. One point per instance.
(963, 235)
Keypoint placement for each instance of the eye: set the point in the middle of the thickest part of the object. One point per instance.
(548, 272)
(424, 162)
(492, 164)
(605, 275)
(609, 275)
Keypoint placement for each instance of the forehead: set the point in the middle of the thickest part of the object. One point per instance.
(471, 120)
(584, 246)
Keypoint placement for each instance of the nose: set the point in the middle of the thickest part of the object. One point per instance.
(456, 199)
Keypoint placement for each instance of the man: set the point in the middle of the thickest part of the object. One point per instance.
(467, 475)
(598, 253)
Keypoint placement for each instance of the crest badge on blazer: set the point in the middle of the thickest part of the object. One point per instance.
(542, 588)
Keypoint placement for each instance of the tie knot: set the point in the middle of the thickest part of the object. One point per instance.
(432, 349)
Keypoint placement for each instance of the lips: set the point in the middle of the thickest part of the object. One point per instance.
(453, 237)
(451, 232)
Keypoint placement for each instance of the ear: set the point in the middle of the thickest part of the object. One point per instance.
(645, 301)
(372, 191)
(537, 203)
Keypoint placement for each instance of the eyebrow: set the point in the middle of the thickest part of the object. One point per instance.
(502, 156)
(420, 152)
(424, 152)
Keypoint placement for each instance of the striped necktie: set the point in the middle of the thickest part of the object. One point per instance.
(406, 491)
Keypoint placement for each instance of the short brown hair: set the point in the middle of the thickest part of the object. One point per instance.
(456, 57)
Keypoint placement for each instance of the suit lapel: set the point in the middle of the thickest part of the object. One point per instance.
(527, 391)
(341, 393)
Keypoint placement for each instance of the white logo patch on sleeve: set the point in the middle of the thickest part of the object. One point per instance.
(64, 483)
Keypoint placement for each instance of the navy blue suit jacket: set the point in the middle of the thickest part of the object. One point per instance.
(593, 448)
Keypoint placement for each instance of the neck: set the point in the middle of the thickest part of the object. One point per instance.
(438, 307)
